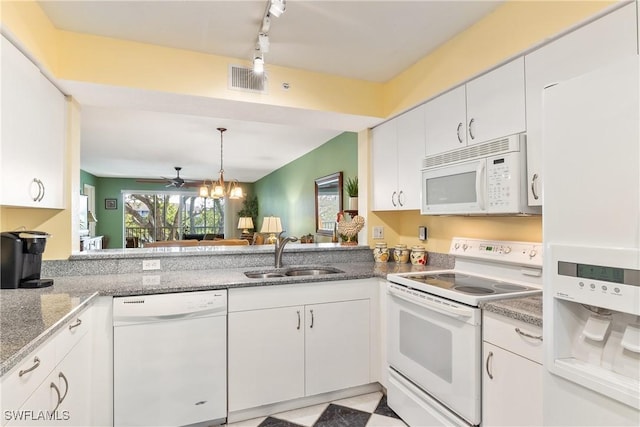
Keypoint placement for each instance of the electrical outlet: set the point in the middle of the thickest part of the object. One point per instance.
(150, 264)
(378, 232)
(150, 280)
(422, 233)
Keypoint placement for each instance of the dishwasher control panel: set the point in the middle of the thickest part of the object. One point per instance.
(173, 305)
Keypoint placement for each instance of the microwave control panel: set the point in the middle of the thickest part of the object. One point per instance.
(503, 182)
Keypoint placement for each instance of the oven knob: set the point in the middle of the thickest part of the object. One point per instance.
(456, 246)
(604, 288)
(592, 286)
(616, 290)
(532, 253)
(464, 247)
(507, 249)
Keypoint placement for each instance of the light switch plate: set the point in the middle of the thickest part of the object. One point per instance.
(422, 232)
(378, 232)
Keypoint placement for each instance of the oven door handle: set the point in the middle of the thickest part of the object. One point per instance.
(450, 311)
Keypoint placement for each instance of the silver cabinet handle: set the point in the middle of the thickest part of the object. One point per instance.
(66, 386)
(36, 363)
(489, 358)
(75, 325)
(311, 311)
(471, 122)
(42, 193)
(393, 199)
(53, 386)
(37, 196)
(298, 320)
(459, 132)
(524, 334)
(534, 185)
(400, 198)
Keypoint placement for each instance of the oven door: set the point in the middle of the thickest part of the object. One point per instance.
(455, 189)
(436, 344)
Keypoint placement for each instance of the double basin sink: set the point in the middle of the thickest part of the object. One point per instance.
(291, 272)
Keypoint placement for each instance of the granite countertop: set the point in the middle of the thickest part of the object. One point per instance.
(528, 309)
(30, 316)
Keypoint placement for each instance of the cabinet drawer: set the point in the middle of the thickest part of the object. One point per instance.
(511, 334)
(17, 388)
(72, 332)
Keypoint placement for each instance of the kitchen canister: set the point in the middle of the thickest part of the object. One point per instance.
(418, 255)
(381, 252)
(401, 254)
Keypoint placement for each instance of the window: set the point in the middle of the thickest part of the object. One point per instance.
(158, 216)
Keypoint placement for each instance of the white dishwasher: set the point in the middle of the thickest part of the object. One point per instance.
(170, 359)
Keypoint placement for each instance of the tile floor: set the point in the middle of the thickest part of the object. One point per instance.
(367, 410)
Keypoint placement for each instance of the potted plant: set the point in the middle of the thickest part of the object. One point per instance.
(352, 190)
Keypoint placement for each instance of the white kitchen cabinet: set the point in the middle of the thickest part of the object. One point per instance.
(592, 46)
(397, 153)
(33, 134)
(485, 108)
(65, 361)
(294, 341)
(266, 356)
(336, 346)
(446, 122)
(512, 374)
(63, 399)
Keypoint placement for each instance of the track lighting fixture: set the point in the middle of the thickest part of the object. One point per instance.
(275, 8)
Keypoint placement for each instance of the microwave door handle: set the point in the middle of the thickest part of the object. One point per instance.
(480, 184)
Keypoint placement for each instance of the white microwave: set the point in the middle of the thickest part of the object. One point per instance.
(481, 179)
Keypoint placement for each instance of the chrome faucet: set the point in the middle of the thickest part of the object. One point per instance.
(280, 247)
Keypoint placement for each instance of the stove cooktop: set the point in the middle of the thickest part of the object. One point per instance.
(463, 287)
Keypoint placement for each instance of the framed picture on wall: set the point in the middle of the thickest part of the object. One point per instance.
(111, 204)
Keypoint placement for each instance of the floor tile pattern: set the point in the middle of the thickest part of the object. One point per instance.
(368, 410)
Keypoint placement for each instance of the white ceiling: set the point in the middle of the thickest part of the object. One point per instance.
(131, 133)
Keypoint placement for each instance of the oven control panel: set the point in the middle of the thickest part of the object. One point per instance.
(524, 253)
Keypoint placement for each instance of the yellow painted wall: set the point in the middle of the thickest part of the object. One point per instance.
(512, 28)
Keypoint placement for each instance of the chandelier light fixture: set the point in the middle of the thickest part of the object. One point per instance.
(218, 191)
(274, 8)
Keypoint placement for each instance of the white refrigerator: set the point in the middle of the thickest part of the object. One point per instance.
(591, 232)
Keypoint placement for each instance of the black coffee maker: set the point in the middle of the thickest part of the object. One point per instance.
(21, 253)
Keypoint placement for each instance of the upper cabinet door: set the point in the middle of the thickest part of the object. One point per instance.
(33, 134)
(595, 45)
(446, 122)
(496, 103)
(411, 146)
(384, 166)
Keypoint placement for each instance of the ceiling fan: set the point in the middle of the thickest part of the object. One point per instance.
(176, 182)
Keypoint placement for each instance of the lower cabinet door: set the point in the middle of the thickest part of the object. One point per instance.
(63, 399)
(511, 389)
(337, 346)
(266, 356)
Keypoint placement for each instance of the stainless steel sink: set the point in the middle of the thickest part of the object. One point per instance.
(262, 275)
(293, 271)
(315, 271)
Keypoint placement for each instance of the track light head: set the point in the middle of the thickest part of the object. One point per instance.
(258, 63)
(277, 7)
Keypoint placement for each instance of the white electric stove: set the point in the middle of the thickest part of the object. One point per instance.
(483, 270)
(434, 328)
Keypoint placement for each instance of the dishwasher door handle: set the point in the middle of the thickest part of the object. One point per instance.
(133, 319)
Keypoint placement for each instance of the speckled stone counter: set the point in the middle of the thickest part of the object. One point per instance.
(527, 309)
(29, 316)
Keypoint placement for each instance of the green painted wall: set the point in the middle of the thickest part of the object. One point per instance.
(289, 192)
